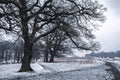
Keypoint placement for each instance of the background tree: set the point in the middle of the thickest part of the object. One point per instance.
(18, 48)
(104, 54)
(5, 51)
(53, 43)
(29, 19)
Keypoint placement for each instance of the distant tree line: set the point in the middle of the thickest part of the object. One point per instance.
(12, 52)
(104, 54)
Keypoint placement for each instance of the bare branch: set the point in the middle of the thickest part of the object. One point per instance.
(45, 34)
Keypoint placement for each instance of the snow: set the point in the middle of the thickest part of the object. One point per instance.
(82, 68)
(116, 63)
(90, 73)
(69, 66)
(11, 70)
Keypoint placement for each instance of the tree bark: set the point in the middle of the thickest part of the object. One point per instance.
(27, 58)
(28, 41)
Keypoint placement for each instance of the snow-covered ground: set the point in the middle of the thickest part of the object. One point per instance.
(96, 73)
(88, 69)
(116, 63)
(11, 70)
(69, 66)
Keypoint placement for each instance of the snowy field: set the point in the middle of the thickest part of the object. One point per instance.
(11, 71)
(91, 73)
(116, 63)
(77, 69)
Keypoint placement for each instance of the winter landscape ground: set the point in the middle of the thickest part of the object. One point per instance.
(65, 69)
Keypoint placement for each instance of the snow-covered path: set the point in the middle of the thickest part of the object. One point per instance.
(93, 73)
(114, 70)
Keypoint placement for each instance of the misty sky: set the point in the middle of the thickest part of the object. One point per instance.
(109, 34)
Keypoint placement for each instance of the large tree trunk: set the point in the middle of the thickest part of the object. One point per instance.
(28, 41)
(27, 58)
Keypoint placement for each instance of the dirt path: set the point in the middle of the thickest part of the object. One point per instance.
(115, 72)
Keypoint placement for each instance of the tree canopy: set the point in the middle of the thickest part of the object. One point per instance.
(30, 19)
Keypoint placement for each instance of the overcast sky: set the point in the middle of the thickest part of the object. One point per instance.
(109, 34)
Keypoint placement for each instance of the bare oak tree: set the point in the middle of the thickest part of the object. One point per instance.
(29, 19)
